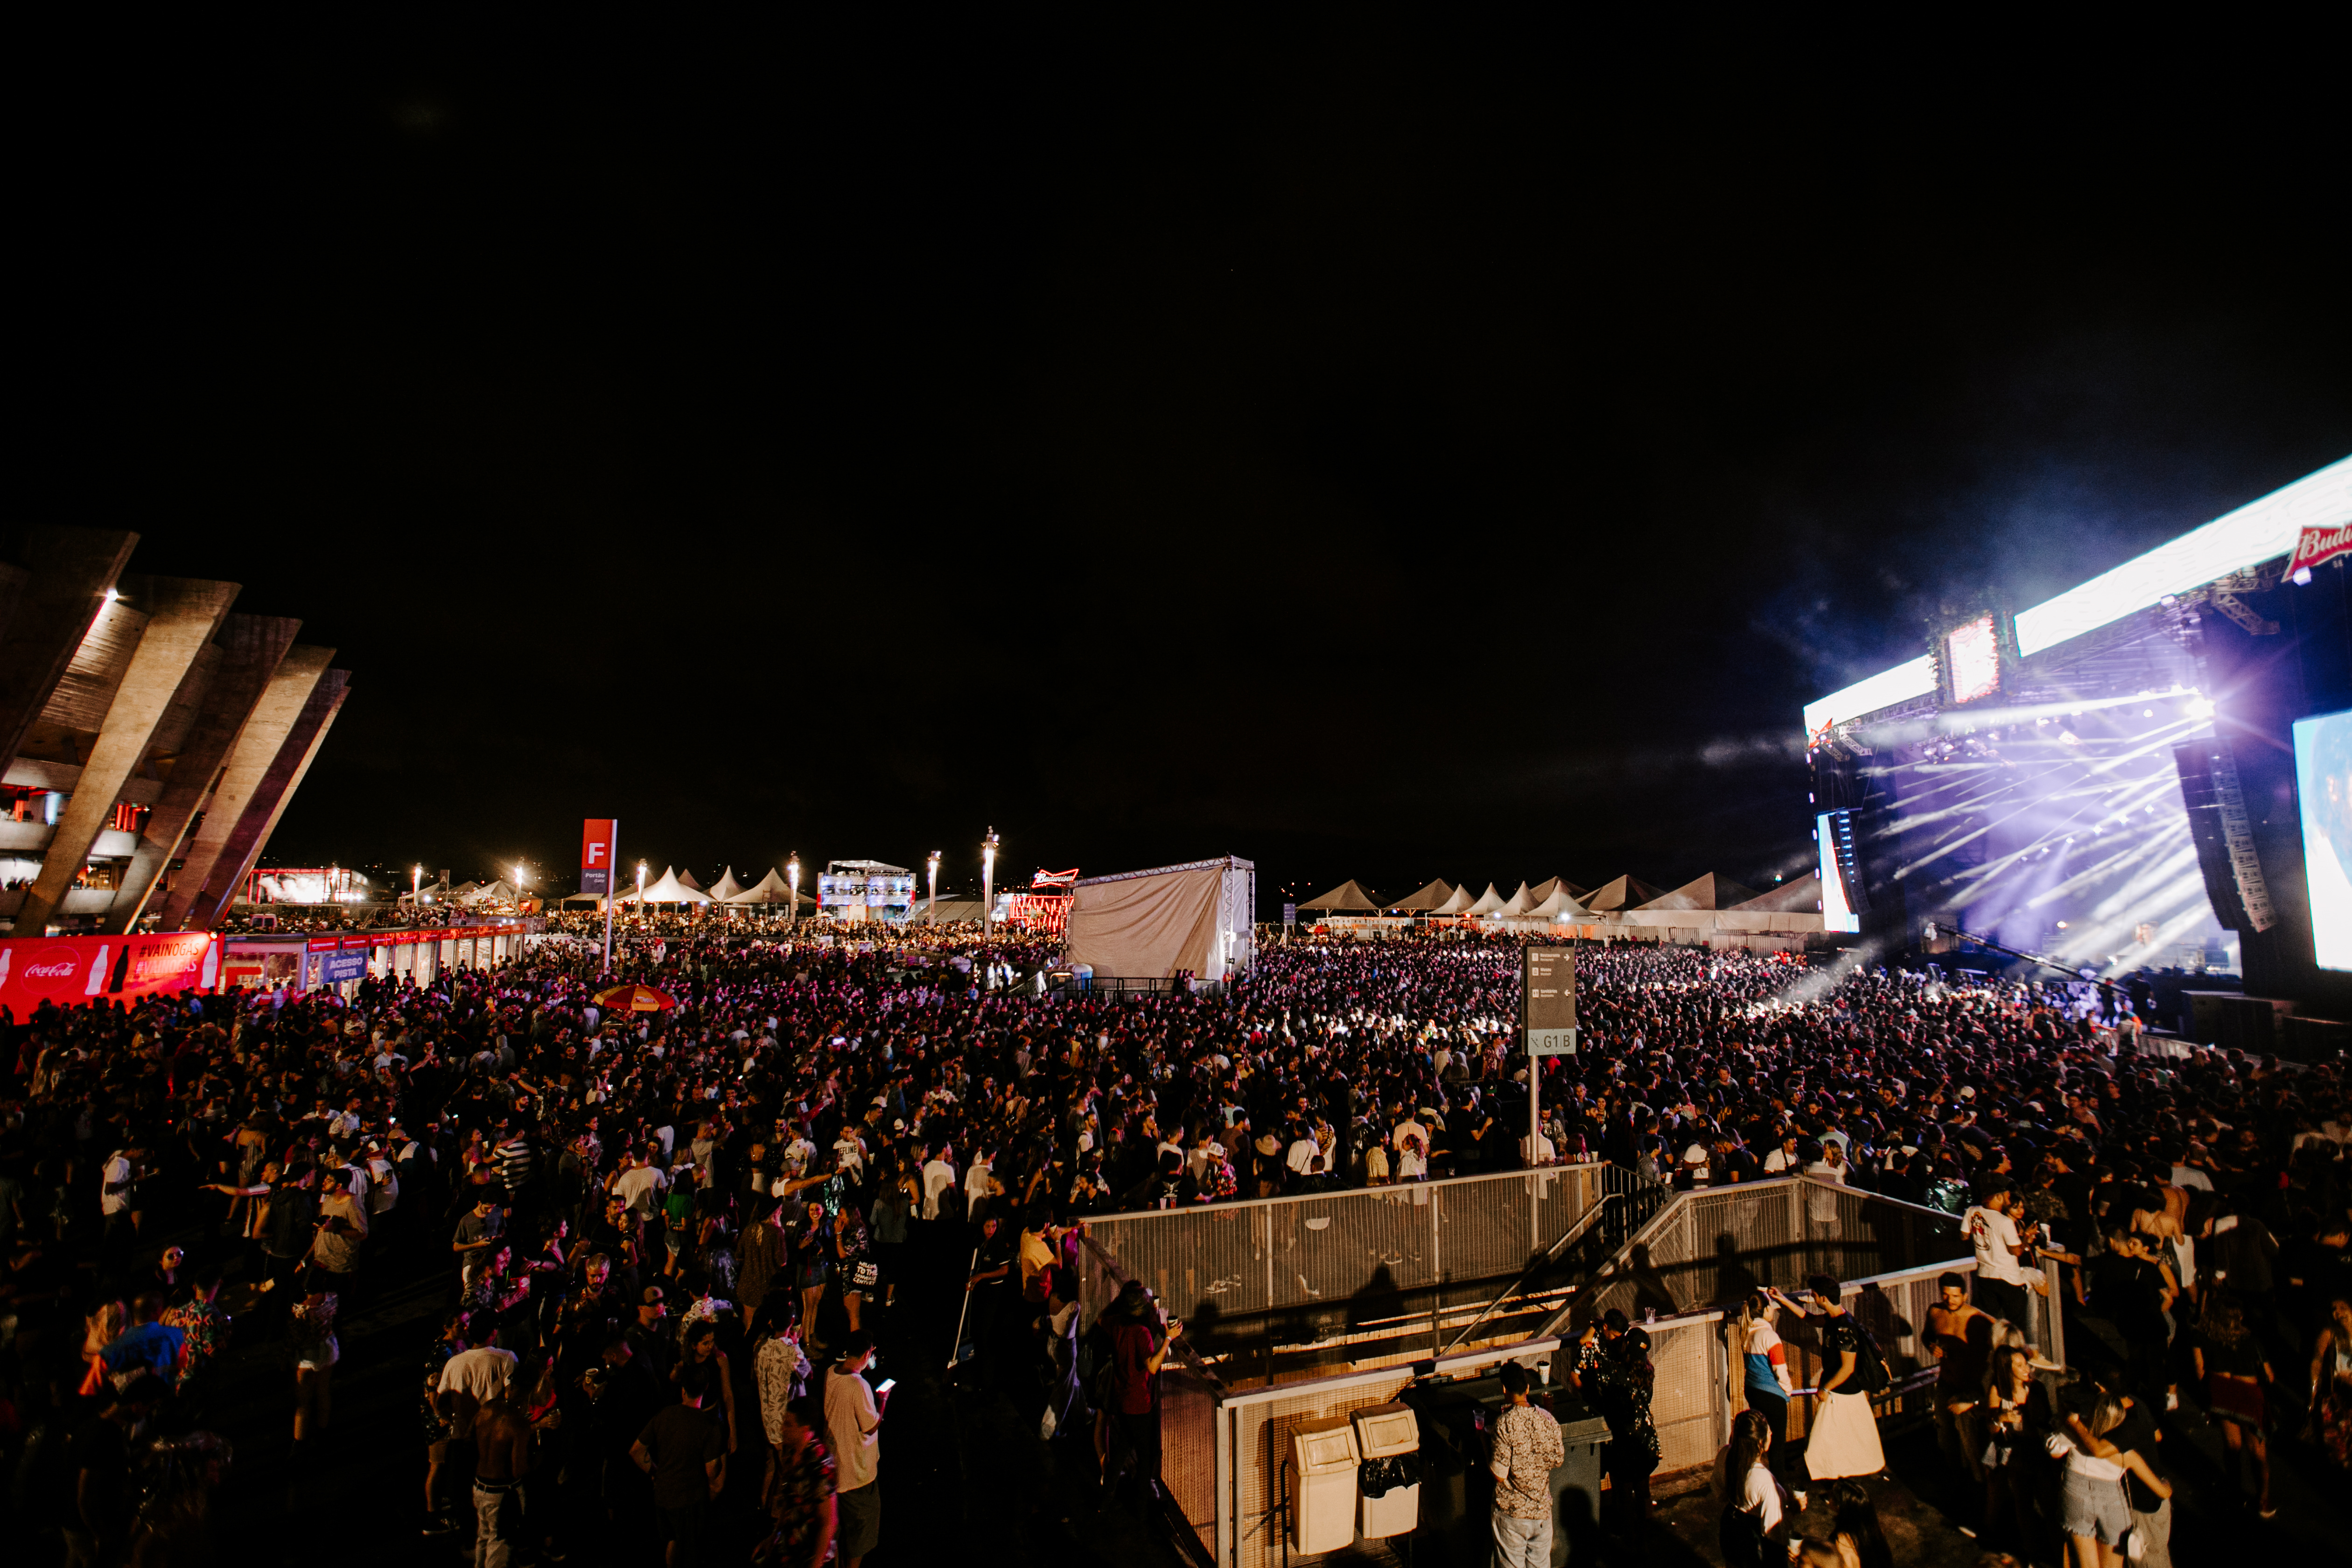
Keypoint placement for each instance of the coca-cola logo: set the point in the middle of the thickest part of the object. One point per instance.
(51, 968)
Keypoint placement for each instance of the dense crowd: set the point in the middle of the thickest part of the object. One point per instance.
(670, 1234)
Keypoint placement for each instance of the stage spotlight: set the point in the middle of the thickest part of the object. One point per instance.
(2198, 708)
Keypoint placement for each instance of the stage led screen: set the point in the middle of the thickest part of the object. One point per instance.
(1837, 914)
(2323, 776)
(1972, 653)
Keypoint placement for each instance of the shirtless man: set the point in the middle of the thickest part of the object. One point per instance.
(502, 1435)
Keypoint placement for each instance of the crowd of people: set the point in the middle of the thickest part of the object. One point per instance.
(669, 1238)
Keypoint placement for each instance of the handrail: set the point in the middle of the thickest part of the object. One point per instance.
(1584, 1222)
(1389, 1192)
(1180, 1346)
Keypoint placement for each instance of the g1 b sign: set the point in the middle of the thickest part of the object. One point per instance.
(599, 838)
(1548, 1001)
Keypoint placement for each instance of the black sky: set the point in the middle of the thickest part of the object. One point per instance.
(1373, 451)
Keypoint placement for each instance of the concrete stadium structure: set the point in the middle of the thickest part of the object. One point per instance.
(152, 737)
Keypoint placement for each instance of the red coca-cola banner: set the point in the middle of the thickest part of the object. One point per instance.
(72, 970)
(2318, 544)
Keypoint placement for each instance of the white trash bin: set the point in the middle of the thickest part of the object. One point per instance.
(1323, 1485)
(1387, 1432)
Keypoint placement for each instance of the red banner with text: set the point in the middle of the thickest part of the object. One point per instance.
(2318, 544)
(599, 840)
(72, 970)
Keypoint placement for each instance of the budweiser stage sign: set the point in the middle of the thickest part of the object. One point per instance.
(2318, 544)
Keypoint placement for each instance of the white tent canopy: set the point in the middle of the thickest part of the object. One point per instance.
(1560, 906)
(771, 889)
(1427, 899)
(687, 879)
(1457, 902)
(1520, 902)
(1490, 902)
(668, 890)
(726, 886)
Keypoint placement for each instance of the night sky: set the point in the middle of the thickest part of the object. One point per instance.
(1371, 452)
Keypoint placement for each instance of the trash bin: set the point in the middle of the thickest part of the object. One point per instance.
(1576, 1484)
(1457, 1498)
(1457, 1489)
(1323, 1485)
(1388, 1481)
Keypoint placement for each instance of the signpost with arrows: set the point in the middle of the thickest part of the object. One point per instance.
(1548, 1019)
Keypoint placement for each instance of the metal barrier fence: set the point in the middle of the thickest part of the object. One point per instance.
(1223, 1444)
(1778, 1237)
(1711, 1247)
(1356, 1277)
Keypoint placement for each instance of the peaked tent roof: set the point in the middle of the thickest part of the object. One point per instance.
(686, 879)
(768, 889)
(1490, 902)
(1708, 892)
(1543, 890)
(1458, 902)
(1624, 894)
(1803, 896)
(1427, 899)
(726, 886)
(1347, 896)
(668, 890)
(1560, 906)
(1518, 903)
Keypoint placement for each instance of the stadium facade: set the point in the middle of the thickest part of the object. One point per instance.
(153, 736)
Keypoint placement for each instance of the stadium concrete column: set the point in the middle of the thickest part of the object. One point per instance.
(182, 617)
(268, 802)
(251, 647)
(273, 718)
(67, 573)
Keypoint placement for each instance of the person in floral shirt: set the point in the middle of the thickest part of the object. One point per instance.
(200, 1324)
(801, 1499)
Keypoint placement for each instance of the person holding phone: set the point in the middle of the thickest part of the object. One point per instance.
(853, 1422)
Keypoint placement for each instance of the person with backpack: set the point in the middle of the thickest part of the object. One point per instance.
(1843, 1437)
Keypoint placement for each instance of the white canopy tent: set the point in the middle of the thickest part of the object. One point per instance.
(771, 889)
(668, 890)
(1456, 903)
(1490, 902)
(1520, 902)
(726, 887)
(1560, 906)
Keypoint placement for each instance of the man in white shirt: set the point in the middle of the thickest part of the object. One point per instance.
(1301, 1156)
(639, 1182)
(979, 1185)
(853, 1425)
(2001, 1282)
(482, 1373)
(1783, 1161)
(939, 1175)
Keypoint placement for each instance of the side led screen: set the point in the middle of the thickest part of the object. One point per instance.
(2323, 776)
(1837, 910)
(1972, 653)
